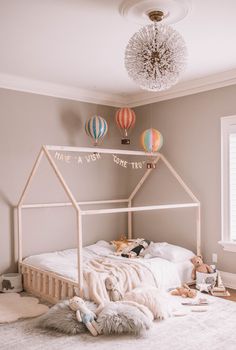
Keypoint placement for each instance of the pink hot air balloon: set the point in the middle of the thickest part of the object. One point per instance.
(152, 141)
(125, 120)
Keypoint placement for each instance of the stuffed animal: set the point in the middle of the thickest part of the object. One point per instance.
(111, 284)
(199, 266)
(137, 249)
(83, 314)
(184, 292)
(123, 244)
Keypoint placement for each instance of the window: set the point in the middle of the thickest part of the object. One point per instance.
(228, 183)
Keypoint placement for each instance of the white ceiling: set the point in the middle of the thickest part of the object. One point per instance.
(75, 49)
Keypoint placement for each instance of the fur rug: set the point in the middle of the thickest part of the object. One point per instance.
(62, 319)
(13, 306)
(124, 317)
(114, 318)
(153, 299)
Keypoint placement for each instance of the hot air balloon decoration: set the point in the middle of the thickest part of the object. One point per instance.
(96, 127)
(152, 141)
(125, 120)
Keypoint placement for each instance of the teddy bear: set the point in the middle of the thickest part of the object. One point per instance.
(184, 292)
(111, 284)
(199, 266)
(83, 314)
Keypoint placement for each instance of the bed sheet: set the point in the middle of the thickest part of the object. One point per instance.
(64, 263)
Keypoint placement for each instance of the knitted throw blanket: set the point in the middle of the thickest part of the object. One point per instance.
(130, 274)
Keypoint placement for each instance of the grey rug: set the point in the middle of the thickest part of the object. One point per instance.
(211, 330)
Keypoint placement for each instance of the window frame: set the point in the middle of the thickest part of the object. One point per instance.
(228, 125)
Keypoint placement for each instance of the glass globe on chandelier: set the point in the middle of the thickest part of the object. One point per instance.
(156, 55)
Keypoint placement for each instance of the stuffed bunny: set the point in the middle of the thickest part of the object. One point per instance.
(111, 284)
(83, 314)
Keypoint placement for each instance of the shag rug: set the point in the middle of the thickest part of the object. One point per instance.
(13, 306)
(115, 318)
(210, 330)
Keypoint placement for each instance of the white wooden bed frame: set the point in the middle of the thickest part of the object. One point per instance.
(53, 287)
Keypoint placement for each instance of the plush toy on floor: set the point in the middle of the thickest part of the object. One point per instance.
(184, 292)
(114, 293)
(199, 266)
(83, 314)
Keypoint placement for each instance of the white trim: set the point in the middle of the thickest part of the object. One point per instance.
(229, 279)
(185, 88)
(228, 246)
(14, 82)
(227, 125)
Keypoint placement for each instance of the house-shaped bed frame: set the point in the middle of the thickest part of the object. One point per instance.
(53, 287)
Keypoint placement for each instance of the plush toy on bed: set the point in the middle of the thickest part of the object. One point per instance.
(121, 244)
(83, 314)
(114, 293)
(199, 266)
(137, 249)
(184, 292)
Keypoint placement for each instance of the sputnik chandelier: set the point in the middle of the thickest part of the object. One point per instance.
(156, 55)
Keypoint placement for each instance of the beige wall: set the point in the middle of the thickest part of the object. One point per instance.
(191, 129)
(26, 122)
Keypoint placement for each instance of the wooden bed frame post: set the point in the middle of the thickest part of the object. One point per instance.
(143, 179)
(45, 152)
(79, 219)
(19, 239)
(79, 253)
(130, 233)
(19, 206)
(136, 189)
(198, 229)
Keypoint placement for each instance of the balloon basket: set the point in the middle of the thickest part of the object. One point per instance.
(125, 141)
(151, 166)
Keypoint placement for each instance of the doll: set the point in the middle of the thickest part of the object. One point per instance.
(137, 250)
(83, 314)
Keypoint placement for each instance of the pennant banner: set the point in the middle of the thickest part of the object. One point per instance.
(125, 164)
(68, 158)
(93, 157)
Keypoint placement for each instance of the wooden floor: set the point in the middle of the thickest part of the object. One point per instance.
(232, 295)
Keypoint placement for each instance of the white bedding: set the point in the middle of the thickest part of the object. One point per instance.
(64, 263)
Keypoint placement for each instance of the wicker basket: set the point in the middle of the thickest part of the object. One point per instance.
(11, 283)
(208, 278)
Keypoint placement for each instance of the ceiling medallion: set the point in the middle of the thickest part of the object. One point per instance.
(138, 10)
(156, 55)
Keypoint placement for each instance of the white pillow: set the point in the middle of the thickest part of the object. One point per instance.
(102, 248)
(169, 252)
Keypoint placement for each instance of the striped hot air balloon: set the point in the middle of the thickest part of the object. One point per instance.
(96, 127)
(125, 120)
(151, 140)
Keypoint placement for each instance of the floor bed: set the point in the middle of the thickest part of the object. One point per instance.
(53, 276)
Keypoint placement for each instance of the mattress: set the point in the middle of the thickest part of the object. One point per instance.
(64, 263)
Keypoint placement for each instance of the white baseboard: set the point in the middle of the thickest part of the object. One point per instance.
(229, 279)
